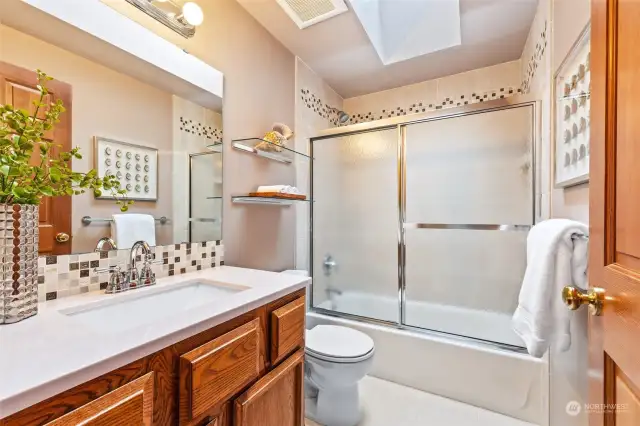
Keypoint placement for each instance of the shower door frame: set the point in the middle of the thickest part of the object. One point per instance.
(190, 212)
(400, 124)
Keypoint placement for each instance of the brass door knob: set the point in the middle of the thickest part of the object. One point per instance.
(575, 297)
(62, 237)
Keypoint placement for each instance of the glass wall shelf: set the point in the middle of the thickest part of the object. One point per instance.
(272, 201)
(214, 198)
(252, 145)
(215, 147)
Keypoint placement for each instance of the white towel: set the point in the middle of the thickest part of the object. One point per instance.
(272, 188)
(126, 229)
(557, 256)
(282, 189)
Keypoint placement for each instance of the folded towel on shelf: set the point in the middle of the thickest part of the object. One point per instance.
(126, 229)
(557, 256)
(282, 189)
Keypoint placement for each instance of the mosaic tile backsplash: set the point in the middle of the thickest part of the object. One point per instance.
(68, 275)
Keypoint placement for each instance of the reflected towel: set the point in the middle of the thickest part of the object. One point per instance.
(557, 256)
(282, 189)
(126, 229)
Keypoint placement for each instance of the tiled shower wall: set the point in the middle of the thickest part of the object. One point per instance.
(68, 275)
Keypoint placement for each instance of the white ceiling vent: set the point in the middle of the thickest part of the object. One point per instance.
(308, 12)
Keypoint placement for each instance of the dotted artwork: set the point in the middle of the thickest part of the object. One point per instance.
(134, 166)
(573, 104)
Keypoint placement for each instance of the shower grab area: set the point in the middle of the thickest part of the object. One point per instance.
(420, 222)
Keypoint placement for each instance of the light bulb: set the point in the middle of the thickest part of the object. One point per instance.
(192, 13)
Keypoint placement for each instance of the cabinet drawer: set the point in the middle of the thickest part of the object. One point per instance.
(212, 373)
(130, 404)
(287, 329)
(275, 399)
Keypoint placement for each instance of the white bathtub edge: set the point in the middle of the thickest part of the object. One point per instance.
(503, 381)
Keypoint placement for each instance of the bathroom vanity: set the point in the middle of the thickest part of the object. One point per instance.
(231, 354)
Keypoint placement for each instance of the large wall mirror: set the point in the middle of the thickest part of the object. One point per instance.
(165, 149)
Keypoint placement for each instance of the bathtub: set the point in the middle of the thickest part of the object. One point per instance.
(500, 380)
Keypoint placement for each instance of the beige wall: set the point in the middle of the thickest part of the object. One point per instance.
(259, 90)
(568, 371)
(452, 87)
(569, 20)
(308, 124)
(108, 104)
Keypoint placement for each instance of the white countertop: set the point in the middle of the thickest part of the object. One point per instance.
(52, 352)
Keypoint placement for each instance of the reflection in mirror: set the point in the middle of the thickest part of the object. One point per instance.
(106, 244)
(165, 152)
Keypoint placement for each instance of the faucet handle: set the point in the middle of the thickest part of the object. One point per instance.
(147, 276)
(117, 281)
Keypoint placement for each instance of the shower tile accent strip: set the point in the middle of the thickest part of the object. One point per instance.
(534, 61)
(197, 128)
(68, 275)
(315, 103)
(420, 107)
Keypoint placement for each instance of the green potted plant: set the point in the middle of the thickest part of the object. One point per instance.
(23, 184)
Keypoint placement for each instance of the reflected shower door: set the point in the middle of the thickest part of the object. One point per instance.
(205, 197)
(469, 205)
(355, 224)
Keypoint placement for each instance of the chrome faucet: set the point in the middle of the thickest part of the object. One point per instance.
(132, 278)
(106, 241)
(136, 277)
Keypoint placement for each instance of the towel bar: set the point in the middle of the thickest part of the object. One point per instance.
(87, 220)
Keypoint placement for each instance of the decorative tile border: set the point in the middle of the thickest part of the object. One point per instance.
(420, 107)
(199, 129)
(534, 61)
(68, 275)
(313, 102)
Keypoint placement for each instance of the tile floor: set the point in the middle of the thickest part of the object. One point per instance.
(386, 404)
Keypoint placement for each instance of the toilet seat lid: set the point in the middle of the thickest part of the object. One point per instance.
(335, 341)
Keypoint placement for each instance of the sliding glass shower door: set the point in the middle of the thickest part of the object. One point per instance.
(355, 223)
(469, 205)
(424, 223)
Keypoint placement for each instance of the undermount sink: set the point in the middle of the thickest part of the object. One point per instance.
(144, 306)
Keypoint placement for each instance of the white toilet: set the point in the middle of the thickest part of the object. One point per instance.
(337, 358)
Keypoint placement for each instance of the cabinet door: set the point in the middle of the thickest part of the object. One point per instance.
(213, 373)
(287, 329)
(276, 399)
(129, 405)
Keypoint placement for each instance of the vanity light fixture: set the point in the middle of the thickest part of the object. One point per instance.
(192, 13)
(182, 17)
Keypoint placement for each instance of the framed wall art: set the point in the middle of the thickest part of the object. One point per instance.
(135, 167)
(572, 109)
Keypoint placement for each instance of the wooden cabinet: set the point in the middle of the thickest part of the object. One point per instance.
(276, 399)
(287, 329)
(247, 368)
(217, 370)
(131, 404)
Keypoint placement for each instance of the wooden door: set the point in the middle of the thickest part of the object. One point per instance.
(614, 264)
(276, 399)
(18, 88)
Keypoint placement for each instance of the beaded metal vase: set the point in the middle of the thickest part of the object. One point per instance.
(19, 256)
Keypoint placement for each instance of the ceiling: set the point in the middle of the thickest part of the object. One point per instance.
(342, 53)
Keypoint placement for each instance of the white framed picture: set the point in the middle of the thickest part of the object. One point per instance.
(135, 167)
(572, 109)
